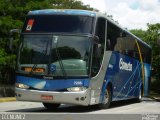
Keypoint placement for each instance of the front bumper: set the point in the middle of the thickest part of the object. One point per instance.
(77, 98)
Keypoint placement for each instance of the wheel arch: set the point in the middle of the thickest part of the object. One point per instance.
(108, 84)
(103, 105)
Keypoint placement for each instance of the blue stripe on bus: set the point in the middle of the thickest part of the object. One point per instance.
(67, 12)
(51, 85)
(125, 83)
(129, 80)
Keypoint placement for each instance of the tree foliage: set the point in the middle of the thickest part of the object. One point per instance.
(140, 33)
(152, 36)
(12, 15)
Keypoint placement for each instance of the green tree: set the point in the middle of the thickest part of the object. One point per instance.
(140, 33)
(151, 38)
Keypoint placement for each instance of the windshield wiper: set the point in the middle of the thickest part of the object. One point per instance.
(59, 56)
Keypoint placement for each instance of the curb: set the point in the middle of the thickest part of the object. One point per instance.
(155, 98)
(7, 99)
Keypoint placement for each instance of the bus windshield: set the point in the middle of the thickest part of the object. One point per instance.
(56, 55)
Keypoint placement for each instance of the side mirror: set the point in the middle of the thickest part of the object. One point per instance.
(12, 31)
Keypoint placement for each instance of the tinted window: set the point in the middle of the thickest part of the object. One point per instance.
(114, 38)
(98, 48)
(58, 23)
(120, 41)
(130, 46)
(145, 53)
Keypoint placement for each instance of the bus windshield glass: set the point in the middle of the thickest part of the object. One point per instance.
(71, 24)
(57, 55)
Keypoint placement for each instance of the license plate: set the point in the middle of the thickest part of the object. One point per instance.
(46, 97)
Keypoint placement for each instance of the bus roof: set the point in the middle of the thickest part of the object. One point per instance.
(62, 11)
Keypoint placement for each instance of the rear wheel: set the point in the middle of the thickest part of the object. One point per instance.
(106, 99)
(51, 106)
(139, 99)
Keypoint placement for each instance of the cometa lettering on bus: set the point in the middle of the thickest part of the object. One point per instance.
(125, 66)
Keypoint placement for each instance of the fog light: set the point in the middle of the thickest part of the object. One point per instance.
(22, 86)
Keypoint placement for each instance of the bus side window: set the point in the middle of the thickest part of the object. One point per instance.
(95, 60)
(113, 37)
(98, 47)
(108, 44)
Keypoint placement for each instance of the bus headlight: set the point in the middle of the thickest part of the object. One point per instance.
(20, 85)
(76, 89)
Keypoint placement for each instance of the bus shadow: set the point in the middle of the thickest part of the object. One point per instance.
(121, 103)
(62, 109)
(75, 109)
(129, 102)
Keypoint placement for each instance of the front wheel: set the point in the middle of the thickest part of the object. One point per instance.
(51, 106)
(106, 99)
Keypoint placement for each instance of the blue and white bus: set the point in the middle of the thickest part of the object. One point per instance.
(79, 57)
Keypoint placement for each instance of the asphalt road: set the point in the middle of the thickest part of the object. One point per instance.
(118, 110)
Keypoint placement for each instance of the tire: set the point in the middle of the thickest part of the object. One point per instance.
(51, 106)
(139, 99)
(107, 98)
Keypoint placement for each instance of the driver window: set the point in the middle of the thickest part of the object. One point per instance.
(98, 47)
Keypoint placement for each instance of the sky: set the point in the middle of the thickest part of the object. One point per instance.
(130, 14)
